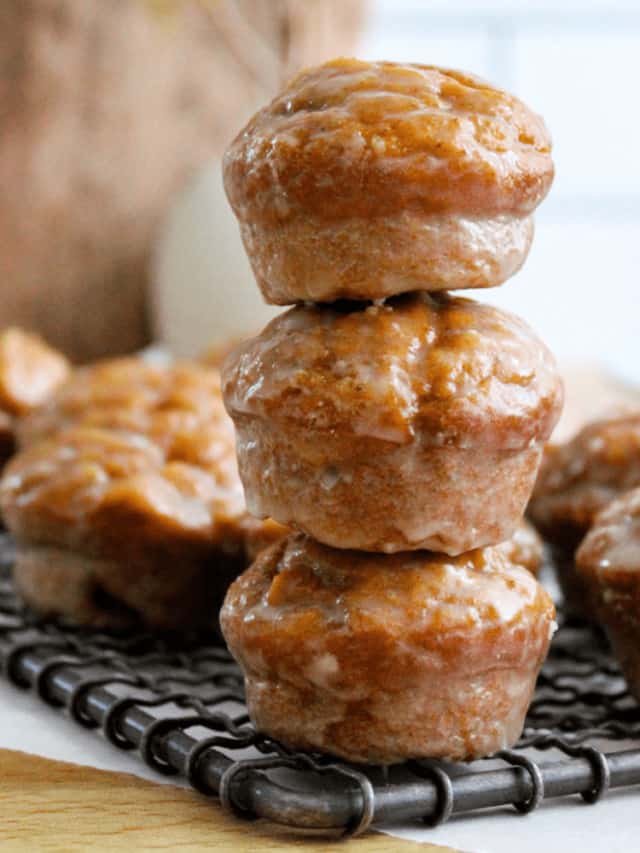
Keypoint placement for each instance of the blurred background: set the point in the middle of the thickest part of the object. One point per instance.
(114, 230)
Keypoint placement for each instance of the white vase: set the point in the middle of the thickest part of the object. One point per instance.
(203, 290)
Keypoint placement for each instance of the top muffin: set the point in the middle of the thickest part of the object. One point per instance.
(353, 138)
(363, 180)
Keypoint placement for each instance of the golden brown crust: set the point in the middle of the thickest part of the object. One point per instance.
(353, 138)
(576, 481)
(309, 258)
(608, 565)
(353, 492)
(341, 649)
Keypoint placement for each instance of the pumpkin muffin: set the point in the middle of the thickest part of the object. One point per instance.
(126, 502)
(380, 658)
(366, 179)
(414, 424)
(111, 530)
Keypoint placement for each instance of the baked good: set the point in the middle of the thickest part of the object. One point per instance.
(30, 371)
(366, 179)
(126, 502)
(380, 658)
(524, 548)
(576, 480)
(414, 424)
(111, 529)
(608, 564)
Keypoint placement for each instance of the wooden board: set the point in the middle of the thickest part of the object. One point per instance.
(53, 806)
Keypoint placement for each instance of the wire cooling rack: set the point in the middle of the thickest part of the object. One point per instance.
(182, 707)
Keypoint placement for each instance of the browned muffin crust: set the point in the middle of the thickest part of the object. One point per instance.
(381, 427)
(171, 404)
(380, 658)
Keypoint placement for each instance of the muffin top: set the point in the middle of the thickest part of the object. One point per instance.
(149, 447)
(178, 406)
(87, 487)
(579, 478)
(361, 612)
(434, 368)
(354, 138)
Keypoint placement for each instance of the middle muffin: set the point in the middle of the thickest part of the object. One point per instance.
(416, 423)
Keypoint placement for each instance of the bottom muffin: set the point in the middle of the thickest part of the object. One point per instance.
(380, 658)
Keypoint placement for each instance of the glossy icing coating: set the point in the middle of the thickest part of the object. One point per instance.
(173, 405)
(382, 658)
(132, 468)
(353, 138)
(442, 370)
(400, 414)
(365, 257)
(362, 180)
(612, 544)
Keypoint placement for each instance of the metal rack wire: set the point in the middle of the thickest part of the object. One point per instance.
(181, 706)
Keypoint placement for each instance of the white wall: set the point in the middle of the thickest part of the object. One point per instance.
(577, 63)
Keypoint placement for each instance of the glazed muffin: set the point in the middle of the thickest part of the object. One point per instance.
(576, 480)
(525, 548)
(126, 502)
(30, 371)
(366, 179)
(387, 427)
(608, 565)
(380, 658)
(111, 529)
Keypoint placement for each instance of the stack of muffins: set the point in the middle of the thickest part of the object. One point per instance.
(397, 429)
